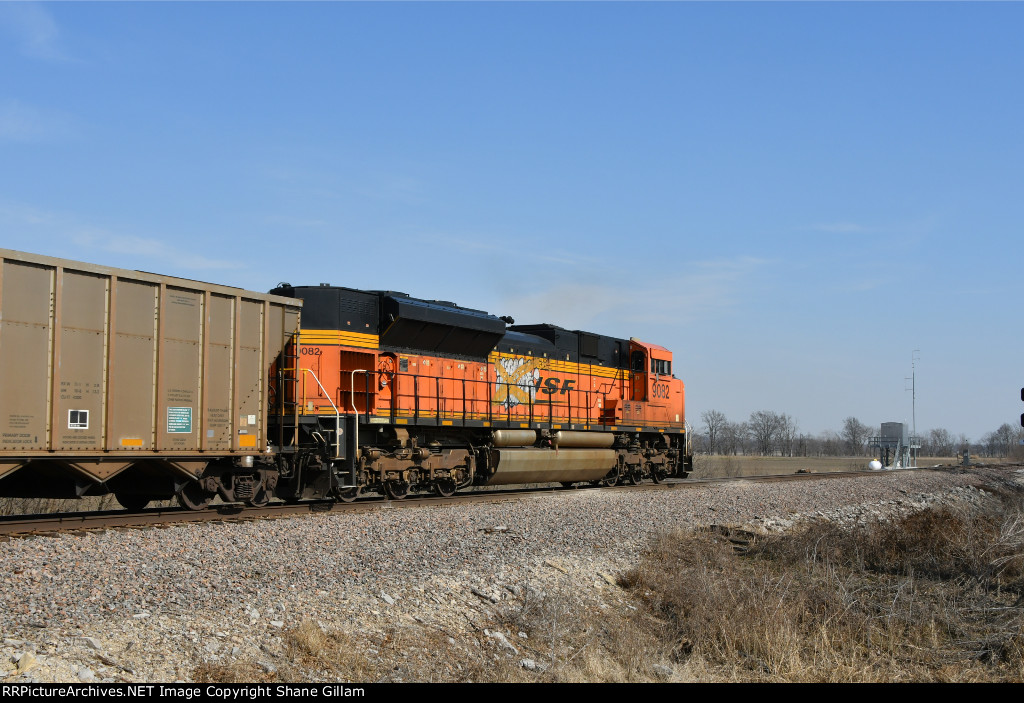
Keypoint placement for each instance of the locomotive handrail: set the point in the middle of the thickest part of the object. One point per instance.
(337, 415)
(589, 407)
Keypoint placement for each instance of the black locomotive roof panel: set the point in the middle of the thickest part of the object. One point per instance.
(438, 327)
(585, 347)
(335, 308)
(603, 350)
(566, 342)
(527, 345)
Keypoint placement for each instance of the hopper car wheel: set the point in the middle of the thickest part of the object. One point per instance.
(444, 487)
(132, 502)
(567, 484)
(349, 494)
(193, 497)
(396, 489)
(634, 477)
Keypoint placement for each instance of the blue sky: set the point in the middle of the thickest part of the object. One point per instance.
(791, 197)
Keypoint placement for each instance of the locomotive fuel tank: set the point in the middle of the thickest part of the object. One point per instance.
(547, 466)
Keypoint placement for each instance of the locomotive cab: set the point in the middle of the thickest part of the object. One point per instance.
(656, 395)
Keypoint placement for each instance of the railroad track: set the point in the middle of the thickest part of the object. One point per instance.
(55, 523)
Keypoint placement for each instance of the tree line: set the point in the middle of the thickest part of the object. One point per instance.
(769, 433)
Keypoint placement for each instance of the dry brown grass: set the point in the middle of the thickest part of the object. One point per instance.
(312, 653)
(725, 466)
(237, 671)
(934, 597)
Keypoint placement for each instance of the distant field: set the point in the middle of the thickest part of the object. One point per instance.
(718, 466)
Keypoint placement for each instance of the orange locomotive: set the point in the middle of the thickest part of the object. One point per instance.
(388, 393)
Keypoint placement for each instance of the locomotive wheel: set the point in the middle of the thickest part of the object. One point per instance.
(132, 502)
(349, 494)
(444, 487)
(396, 489)
(634, 477)
(654, 475)
(193, 497)
(611, 479)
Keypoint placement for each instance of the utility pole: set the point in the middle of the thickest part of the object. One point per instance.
(914, 442)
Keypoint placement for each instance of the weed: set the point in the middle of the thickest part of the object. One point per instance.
(934, 596)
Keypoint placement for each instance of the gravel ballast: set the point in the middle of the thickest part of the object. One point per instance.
(148, 605)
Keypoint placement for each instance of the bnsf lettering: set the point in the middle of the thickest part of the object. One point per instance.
(310, 351)
(551, 386)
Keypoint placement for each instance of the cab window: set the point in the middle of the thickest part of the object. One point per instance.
(638, 361)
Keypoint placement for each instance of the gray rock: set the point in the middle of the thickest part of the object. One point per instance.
(26, 661)
(387, 599)
(662, 670)
(528, 664)
(90, 642)
(486, 596)
(500, 638)
(86, 674)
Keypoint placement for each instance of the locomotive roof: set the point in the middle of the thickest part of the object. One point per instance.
(406, 323)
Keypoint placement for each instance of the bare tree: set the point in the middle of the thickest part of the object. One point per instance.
(962, 442)
(831, 444)
(765, 427)
(733, 435)
(1005, 438)
(940, 442)
(787, 434)
(990, 442)
(854, 435)
(714, 424)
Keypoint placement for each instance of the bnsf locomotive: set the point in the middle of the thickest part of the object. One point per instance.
(148, 387)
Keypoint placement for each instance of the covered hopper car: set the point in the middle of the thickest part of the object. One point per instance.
(148, 387)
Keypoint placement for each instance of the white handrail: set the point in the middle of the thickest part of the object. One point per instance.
(337, 415)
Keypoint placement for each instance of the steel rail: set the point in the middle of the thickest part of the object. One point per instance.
(55, 523)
